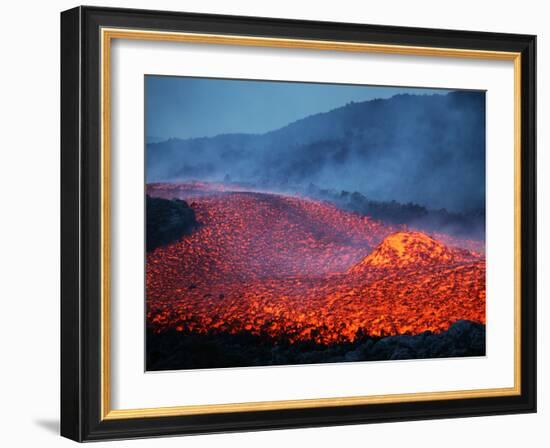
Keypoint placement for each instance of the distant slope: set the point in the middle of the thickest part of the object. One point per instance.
(469, 224)
(427, 149)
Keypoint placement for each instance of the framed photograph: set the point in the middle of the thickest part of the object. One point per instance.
(273, 223)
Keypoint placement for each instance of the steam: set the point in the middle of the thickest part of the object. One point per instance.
(426, 149)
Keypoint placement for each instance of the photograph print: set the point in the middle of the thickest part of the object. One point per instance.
(292, 223)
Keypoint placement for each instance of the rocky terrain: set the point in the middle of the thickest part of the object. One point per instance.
(293, 272)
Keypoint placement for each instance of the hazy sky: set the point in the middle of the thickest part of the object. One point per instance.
(198, 107)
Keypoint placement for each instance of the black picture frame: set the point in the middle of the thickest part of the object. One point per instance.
(81, 381)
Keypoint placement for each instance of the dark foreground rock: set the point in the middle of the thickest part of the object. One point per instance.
(167, 221)
(172, 350)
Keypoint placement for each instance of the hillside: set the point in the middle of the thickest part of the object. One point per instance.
(418, 144)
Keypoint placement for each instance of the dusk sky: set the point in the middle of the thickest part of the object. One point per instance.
(200, 107)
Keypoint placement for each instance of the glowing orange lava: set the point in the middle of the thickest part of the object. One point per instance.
(292, 268)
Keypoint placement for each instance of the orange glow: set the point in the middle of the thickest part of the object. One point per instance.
(293, 268)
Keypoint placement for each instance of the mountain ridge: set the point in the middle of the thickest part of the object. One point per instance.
(404, 148)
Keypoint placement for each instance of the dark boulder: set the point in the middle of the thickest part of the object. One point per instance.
(167, 221)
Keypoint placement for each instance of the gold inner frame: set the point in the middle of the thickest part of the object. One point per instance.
(107, 35)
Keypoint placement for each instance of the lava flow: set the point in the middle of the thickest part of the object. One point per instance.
(292, 268)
